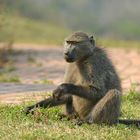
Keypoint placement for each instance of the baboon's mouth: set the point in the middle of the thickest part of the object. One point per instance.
(70, 60)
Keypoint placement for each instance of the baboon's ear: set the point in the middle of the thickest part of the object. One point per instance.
(91, 37)
(92, 40)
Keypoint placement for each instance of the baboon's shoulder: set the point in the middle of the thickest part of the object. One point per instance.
(100, 59)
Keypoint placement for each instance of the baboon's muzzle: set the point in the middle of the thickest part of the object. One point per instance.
(69, 57)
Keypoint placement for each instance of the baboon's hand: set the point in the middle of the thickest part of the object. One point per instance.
(28, 110)
(61, 90)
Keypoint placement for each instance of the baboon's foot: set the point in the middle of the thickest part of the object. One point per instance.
(79, 122)
(68, 117)
(88, 120)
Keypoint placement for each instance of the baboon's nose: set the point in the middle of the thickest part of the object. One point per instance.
(66, 53)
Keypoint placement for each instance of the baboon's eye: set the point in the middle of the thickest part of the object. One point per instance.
(68, 42)
(72, 42)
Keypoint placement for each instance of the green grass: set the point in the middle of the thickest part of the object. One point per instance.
(5, 77)
(45, 125)
(43, 81)
(118, 43)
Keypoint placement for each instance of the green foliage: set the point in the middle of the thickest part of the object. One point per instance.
(31, 31)
(101, 17)
(45, 124)
(26, 30)
(21, 22)
(115, 43)
(6, 34)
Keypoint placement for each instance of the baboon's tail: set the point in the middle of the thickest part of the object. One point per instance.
(130, 122)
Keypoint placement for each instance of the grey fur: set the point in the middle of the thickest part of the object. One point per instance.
(94, 71)
(91, 91)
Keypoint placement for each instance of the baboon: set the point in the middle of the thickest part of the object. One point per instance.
(92, 90)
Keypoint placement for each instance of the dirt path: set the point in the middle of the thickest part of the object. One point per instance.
(34, 64)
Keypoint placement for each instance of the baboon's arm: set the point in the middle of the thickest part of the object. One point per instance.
(90, 93)
(49, 102)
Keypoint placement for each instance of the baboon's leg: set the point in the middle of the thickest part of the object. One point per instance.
(69, 105)
(107, 110)
(49, 102)
(68, 110)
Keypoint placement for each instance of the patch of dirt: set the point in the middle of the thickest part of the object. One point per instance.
(40, 64)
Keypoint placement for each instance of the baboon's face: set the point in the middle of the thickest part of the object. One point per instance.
(75, 50)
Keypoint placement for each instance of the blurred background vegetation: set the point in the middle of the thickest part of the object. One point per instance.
(49, 21)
